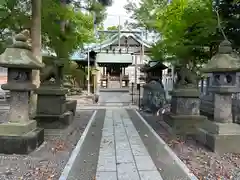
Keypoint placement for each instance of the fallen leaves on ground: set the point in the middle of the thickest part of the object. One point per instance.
(59, 145)
(206, 165)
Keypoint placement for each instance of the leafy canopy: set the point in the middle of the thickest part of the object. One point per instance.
(185, 27)
(15, 15)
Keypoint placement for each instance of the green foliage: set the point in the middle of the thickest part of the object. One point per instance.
(185, 26)
(229, 11)
(15, 15)
(78, 29)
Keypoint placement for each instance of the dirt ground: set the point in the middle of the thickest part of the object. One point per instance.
(205, 164)
(48, 161)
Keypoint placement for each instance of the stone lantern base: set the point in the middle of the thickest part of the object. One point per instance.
(183, 124)
(18, 138)
(220, 137)
(53, 110)
(184, 115)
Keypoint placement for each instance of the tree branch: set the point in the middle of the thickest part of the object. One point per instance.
(219, 25)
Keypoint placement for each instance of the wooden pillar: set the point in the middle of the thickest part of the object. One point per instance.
(135, 77)
(121, 77)
(123, 74)
(108, 79)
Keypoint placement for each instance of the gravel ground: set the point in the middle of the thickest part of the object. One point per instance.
(48, 161)
(205, 164)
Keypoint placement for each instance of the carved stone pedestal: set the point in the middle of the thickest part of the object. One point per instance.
(53, 110)
(184, 115)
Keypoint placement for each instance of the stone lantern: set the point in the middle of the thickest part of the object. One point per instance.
(19, 134)
(222, 134)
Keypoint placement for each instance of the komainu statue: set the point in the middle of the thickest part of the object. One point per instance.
(52, 74)
(185, 78)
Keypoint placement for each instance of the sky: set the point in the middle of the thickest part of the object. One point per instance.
(114, 11)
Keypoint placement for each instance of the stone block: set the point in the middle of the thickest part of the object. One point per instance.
(53, 110)
(124, 156)
(51, 104)
(185, 106)
(223, 108)
(127, 171)
(71, 105)
(221, 128)
(106, 175)
(220, 137)
(183, 124)
(106, 163)
(22, 144)
(153, 175)
(220, 143)
(145, 163)
(55, 121)
(14, 129)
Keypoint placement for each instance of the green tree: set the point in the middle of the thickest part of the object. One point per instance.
(186, 28)
(15, 15)
(229, 12)
(78, 28)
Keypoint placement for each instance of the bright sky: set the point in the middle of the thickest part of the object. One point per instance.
(114, 11)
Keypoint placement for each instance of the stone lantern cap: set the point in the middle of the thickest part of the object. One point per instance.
(224, 61)
(19, 55)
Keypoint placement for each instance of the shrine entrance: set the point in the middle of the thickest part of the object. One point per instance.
(112, 68)
(113, 75)
(114, 72)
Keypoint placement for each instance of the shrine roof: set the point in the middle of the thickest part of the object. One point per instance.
(81, 54)
(115, 38)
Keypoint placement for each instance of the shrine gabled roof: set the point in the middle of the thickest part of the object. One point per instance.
(114, 39)
(111, 39)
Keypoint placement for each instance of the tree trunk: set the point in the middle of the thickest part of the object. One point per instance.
(36, 49)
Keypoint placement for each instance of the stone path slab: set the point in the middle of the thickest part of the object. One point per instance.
(122, 154)
(114, 98)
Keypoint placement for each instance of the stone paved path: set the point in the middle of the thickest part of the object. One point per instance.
(112, 148)
(114, 84)
(114, 98)
(122, 154)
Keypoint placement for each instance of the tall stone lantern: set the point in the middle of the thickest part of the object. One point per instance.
(222, 134)
(19, 134)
